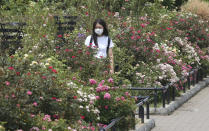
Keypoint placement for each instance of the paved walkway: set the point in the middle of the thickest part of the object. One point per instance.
(191, 116)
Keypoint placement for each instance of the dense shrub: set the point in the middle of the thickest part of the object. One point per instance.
(60, 85)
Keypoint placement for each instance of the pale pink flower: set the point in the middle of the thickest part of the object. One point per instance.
(41, 98)
(32, 115)
(127, 94)
(110, 80)
(7, 83)
(101, 83)
(13, 95)
(117, 99)
(98, 89)
(93, 128)
(97, 97)
(29, 92)
(35, 103)
(91, 102)
(122, 98)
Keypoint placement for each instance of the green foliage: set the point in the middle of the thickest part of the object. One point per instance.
(62, 80)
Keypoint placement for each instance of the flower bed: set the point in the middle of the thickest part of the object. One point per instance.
(50, 84)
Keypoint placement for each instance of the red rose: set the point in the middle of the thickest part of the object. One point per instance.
(54, 98)
(50, 67)
(53, 70)
(59, 36)
(11, 68)
(18, 73)
(74, 97)
(82, 117)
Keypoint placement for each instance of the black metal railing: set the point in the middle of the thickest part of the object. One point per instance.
(111, 125)
(141, 101)
(169, 91)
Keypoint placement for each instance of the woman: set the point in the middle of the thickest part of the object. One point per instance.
(100, 39)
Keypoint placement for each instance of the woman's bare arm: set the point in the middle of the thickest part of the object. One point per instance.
(111, 60)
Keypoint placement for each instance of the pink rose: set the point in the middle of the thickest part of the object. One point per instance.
(107, 96)
(32, 115)
(118, 99)
(7, 83)
(97, 97)
(127, 94)
(98, 89)
(92, 81)
(106, 107)
(35, 104)
(29, 92)
(101, 83)
(122, 98)
(110, 80)
(93, 128)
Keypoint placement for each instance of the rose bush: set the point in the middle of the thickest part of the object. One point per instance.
(51, 84)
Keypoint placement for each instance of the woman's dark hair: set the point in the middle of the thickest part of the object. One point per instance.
(105, 32)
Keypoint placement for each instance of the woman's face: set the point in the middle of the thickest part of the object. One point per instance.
(99, 29)
(98, 26)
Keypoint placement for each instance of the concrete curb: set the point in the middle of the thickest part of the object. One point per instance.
(180, 100)
(148, 125)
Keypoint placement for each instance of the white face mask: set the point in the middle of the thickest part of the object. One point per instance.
(98, 31)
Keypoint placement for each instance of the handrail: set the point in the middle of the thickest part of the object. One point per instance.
(195, 73)
(143, 101)
(114, 121)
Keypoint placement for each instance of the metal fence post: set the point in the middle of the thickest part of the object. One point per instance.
(173, 93)
(133, 123)
(198, 75)
(201, 74)
(168, 95)
(147, 104)
(193, 78)
(188, 81)
(184, 87)
(101, 129)
(155, 98)
(163, 94)
(141, 113)
(113, 128)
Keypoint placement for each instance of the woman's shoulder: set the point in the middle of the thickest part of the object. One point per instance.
(88, 37)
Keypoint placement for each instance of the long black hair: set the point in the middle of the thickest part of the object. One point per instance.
(105, 31)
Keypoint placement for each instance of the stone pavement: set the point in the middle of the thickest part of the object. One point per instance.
(191, 116)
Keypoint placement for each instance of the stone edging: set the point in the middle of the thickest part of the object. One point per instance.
(180, 100)
(148, 125)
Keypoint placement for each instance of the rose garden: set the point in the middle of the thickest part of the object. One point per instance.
(51, 81)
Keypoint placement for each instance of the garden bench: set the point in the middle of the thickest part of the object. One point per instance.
(10, 36)
(65, 25)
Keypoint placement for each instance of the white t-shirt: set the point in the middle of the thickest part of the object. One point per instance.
(102, 43)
